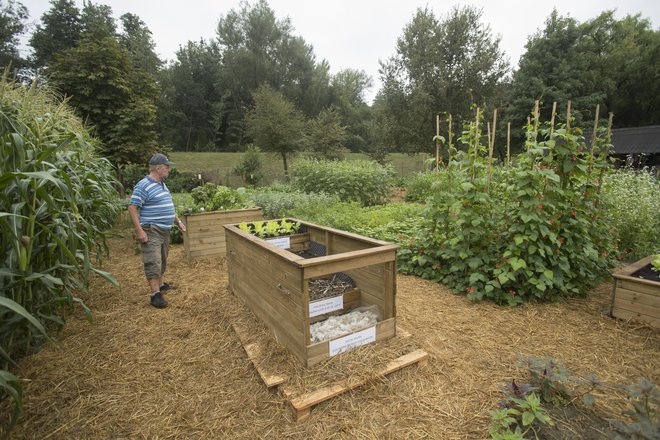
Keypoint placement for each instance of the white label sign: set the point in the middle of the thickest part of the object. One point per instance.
(281, 242)
(317, 308)
(353, 340)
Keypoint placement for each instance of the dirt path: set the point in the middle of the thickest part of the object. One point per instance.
(181, 372)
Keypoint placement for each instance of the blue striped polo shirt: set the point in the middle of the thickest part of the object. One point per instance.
(154, 202)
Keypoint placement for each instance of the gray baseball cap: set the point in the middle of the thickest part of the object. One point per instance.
(160, 159)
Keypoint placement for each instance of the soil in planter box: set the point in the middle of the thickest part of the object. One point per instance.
(336, 285)
(646, 273)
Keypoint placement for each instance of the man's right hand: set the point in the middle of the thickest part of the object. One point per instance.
(141, 236)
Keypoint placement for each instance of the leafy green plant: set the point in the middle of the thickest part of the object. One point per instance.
(212, 197)
(57, 202)
(645, 415)
(531, 231)
(655, 262)
(631, 201)
(270, 228)
(281, 201)
(365, 182)
(521, 414)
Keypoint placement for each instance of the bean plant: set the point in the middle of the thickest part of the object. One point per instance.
(533, 230)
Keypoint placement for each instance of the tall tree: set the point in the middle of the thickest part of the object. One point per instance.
(440, 66)
(60, 29)
(12, 24)
(601, 61)
(275, 125)
(97, 21)
(98, 79)
(137, 39)
(349, 87)
(187, 116)
(256, 49)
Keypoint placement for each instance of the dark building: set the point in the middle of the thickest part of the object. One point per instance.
(637, 146)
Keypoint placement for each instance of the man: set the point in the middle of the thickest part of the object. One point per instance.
(152, 213)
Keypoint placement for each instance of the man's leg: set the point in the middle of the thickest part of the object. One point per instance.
(152, 259)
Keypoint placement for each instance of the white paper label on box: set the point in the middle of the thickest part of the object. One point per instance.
(353, 340)
(281, 242)
(317, 308)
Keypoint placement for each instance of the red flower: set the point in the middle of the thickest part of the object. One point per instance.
(470, 290)
(539, 206)
(552, 221)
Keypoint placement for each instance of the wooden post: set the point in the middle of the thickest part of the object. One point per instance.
(609, 128)
(568, 116)
(594, 134)
(437, 143)
(476, 145)
(552, 119)
(508, 143)
(536, 118)
(449, 146)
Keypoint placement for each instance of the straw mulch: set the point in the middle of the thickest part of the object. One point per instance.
(181, 372)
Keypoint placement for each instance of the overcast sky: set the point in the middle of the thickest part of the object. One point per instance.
(356, 33)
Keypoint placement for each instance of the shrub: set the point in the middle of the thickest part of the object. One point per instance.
(280, 201)
(632, 208)
(212, 197)
(420, 186)
(365, 182)
(250, 166)
(181, 181)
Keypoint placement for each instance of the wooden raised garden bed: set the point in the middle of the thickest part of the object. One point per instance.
(273, 279)
(635, 297)
(205, 234)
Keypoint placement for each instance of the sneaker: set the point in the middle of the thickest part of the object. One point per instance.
(158, 301)
(165, 287)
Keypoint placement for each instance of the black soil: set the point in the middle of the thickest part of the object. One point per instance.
(647, 273)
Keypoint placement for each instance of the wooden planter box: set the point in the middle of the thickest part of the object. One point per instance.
(205, 234)
(274, 283)
(634, 297)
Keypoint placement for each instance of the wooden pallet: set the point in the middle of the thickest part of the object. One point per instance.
(302, 405)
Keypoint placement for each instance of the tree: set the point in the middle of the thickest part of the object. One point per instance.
(601, 61)
(137, 40)
(256, 49)
(348, 87)
(60, 29)
(187, 116)
(97, 78)
(275, 125)
(326, 135)
(440, 66)
(12, 24)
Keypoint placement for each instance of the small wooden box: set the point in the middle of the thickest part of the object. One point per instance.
(274, 283)
(205, 234)
(636, 298)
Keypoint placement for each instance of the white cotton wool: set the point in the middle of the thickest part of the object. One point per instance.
(336, 326)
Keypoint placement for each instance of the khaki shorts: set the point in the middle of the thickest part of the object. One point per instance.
(154, 251)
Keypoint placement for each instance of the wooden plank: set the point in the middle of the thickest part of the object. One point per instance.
(653, 290)
(637, 307)
(351, 300)
(627, 314)
(316, 267)
(253, 351)
(631, 268)
(633, 297)
(302, 405)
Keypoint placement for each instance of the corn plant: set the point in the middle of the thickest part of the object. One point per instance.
(57, 199)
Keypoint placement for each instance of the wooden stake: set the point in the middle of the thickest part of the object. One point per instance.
(492, 142)
(568, 116)
(437, 143)
(508, 143)
(609, 128)
(593, 136)
(536, 118)
(552, 119)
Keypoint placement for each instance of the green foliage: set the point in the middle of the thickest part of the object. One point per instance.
(250, 167)
(282, 201)
(439, 64)
(181, 181)
(57, 200)
(326, 136)
(13, 16)
(632, 199)
(211, 197)
(645, 415)
(364, 182)
(270, 228)
(421, 186)
(531, 232)
(655, 262)
(275, 125)
(521, 414)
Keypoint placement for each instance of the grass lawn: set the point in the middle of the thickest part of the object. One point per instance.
(216, 167)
